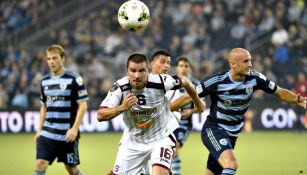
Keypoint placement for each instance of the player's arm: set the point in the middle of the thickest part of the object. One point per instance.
(290, 97)
(106, 113)
(180, 102)
(192, 93)
(72, 133)
(42, 117)
(188, 112)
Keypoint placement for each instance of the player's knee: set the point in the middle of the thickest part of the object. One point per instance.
(72, 170)
(41, 165)
(231, 163)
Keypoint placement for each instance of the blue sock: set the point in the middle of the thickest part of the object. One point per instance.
(176, 165)
(39, 173)
(228, 171)
(79, 172)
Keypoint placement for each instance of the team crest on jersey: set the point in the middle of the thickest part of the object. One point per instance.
(227, 102)
(79, 81)
(63, 86)
(223, 142)
(249, 90)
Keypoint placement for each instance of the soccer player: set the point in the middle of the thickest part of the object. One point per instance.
(159, 64)
(183, 68)
(63, 97)
(148, 120)
(230, 94)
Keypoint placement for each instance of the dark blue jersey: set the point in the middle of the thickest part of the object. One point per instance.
(61, 96)
(230, 99)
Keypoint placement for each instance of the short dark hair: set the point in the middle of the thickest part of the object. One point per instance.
(137, 58)
(56, 48)
(160, 52)
(184, 59)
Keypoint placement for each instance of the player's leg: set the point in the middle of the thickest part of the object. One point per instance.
(134, 157)
(69, 155)
(229, 162)
(161, 156)
(181, 135)
(213, 167)
(45, 155)
(220, 146)
(73, 170)
(118, 165)
(41, 167)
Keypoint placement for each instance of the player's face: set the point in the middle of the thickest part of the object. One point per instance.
(243, 64)
(137, 73)
(55, 62)
(161, 64)
(183, 68)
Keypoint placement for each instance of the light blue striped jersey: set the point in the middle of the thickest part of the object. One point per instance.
(230, 99)
(61, 95)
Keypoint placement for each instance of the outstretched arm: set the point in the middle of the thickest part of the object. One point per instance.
(192, 93)
(290, 97)
(105, 113)
(180, 102)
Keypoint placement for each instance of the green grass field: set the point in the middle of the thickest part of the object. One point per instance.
(258, 153)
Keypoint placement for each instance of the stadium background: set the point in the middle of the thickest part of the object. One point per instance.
(203, 30)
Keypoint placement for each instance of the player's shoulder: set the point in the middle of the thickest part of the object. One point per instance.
(216, 78)
(122, 83)
(46, 77)
(156, 78)
(194, 80)
(256, 75)
(71, 74)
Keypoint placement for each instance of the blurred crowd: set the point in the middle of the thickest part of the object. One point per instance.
(202, 30)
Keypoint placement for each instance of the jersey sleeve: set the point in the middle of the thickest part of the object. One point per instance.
(43, 98)
(113, 98)
(81, 91)
(265, 84)
(171, 82)
(206, 87)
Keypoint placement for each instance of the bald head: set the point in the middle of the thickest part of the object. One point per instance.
(237, 54)
(240, 63)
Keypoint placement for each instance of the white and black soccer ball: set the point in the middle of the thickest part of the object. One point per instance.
(133, 15)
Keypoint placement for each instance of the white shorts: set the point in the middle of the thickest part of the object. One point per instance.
(136, 158)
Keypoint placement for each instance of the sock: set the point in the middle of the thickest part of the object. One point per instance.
(176, 165)
(39, 173)
(79, 172)
(228, 171)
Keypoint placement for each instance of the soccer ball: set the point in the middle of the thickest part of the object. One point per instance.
(133, 15)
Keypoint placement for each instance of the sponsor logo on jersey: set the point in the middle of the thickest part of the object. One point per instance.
(147, 112)
(55, 98)
(227, 102)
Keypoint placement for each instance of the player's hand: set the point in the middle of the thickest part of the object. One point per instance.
(188, 113)
(71, 135)
(129, 101)
(36, 137)
(200, 106)
(302, 101)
